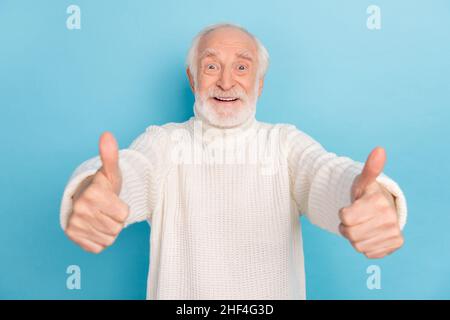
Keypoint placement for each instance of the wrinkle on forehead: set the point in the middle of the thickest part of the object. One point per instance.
(211, 52)
(227, 38)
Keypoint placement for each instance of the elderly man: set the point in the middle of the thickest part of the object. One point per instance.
(223, 192)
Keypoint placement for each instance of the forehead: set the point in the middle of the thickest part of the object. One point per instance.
(227, 41)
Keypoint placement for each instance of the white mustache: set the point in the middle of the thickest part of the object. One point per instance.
(214, 92)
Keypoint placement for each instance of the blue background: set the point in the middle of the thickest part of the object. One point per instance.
(349, 87)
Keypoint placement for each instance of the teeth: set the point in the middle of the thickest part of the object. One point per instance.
(226, 99)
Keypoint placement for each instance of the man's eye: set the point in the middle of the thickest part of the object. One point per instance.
(211, 67)
(242, 67)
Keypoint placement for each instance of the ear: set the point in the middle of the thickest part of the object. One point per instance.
(191, 79)
(261, 85)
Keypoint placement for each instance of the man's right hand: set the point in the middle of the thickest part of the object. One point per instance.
(98, 213)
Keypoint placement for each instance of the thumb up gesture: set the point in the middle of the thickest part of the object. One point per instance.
(98, 213)
(370, 223)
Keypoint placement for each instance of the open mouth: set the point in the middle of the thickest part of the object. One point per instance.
(226, 99)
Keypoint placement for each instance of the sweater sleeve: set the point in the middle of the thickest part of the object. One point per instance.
(140, 177)
(321, 181)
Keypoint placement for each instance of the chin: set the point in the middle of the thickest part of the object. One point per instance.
(224, 116)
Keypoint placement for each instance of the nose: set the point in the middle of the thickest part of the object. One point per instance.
(226, 81)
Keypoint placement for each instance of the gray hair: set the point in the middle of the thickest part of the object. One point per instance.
(191, 59)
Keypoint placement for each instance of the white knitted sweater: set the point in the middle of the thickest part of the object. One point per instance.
(224, 205)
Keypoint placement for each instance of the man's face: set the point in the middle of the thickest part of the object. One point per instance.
(227, 85)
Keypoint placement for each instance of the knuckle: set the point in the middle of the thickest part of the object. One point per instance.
(358, 247)
(116, 228)
(91, 193)
(75, 238)
(78, 206)
(107, 240)
(373, 255)
(78, 216)
(397, 234)
(70, 233)
(110, 240)
(400, 242)
(390, 219)
(350, 220)
(80, 220)
(81, 213)
(96, 249)
(122, 213)
(92, 247)
(346, 216)
(121, 216)
(75, 222)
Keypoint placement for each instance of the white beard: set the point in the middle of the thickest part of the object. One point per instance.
(207, 112)
(225, 118)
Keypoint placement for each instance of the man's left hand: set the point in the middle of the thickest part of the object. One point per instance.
(371, 223)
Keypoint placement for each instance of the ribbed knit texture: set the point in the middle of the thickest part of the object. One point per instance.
(224, 226)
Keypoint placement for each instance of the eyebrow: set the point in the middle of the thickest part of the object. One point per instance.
(210, 52)
(245, 55)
